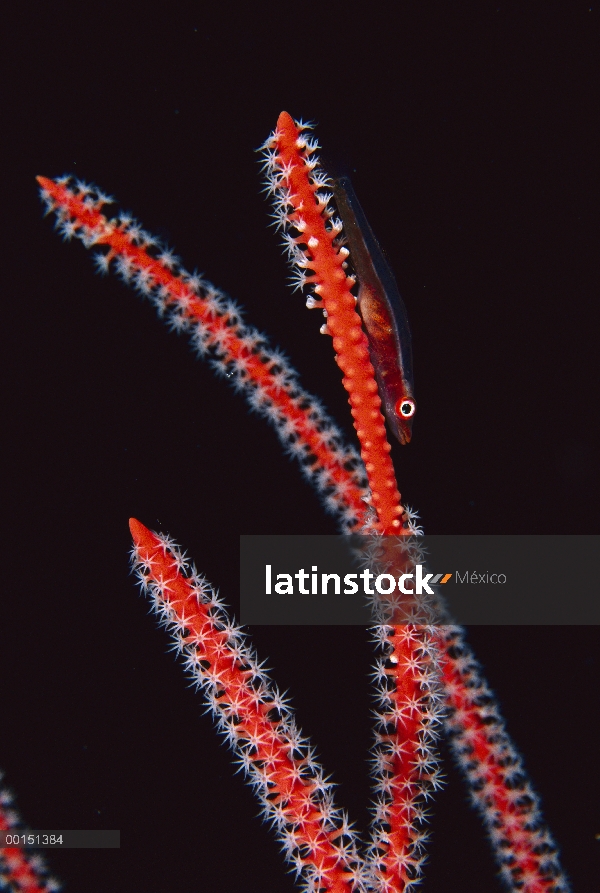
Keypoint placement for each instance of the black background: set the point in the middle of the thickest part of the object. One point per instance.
(470, 134)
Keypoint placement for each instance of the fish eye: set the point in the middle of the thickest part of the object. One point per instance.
(405, 408)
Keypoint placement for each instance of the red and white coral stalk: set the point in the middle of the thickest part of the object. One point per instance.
(20, 870)
(255, 720)
(312, 236)
(218, 333)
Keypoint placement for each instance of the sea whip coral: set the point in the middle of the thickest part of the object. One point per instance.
(315, 836)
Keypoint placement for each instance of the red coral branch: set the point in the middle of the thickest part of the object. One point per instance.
(215, 326)
(405, 766)
(257, 723)
(20, 871)
(500, 788)
(295, 177)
